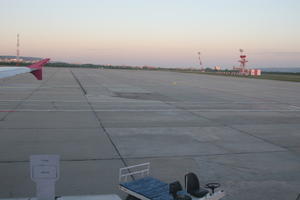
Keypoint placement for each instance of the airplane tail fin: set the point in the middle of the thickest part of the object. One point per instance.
(37, 68)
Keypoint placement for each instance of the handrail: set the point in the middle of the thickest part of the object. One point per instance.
(142, 169)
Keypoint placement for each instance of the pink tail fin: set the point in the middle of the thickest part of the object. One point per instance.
(37, 68)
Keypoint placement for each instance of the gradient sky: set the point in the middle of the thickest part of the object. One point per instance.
(165, 33)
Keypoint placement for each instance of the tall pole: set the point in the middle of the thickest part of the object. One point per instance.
(243, 61)
(200, 62)
(18, 48)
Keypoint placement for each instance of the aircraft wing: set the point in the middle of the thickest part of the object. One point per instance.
(36, 69)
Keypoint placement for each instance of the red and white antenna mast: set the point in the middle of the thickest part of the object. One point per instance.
(18, 48)
(243, 60)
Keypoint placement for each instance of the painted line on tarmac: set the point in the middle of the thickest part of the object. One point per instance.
(46, 87)
(156, 156)
(295, 107)
(145, 110)
(145, 101)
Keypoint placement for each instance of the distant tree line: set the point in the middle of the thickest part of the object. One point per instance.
(68, 65)
(93, 66)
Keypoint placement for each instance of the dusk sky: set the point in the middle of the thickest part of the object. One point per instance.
(164, 33)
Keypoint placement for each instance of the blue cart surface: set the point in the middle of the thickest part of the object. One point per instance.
(149, 187)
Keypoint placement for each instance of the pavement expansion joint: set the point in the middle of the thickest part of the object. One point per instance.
(149, 157)
(101, 126)
(234, 128)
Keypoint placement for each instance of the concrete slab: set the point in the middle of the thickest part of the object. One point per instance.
(51, 119)
(127, 89)
(80, 105)
(240, 132)
(90, 177)
(284, 135)
(2, 114)
(154, 145)
(18, 96)
(48, 105)
(232, 140)
(295, 150)
(248, 176)
(234, 106)
(151, 119)
(123, 105)
(154, 142)
(248, 117)
(76, 178)
(57, 97)
(70, 144)
(35, 106)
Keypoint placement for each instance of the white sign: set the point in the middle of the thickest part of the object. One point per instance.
(44, 171)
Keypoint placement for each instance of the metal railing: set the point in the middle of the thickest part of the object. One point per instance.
(141, 170)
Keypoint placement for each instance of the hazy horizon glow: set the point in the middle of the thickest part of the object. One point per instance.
(158, 33)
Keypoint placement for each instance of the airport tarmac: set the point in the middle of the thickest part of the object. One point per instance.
(243, 133)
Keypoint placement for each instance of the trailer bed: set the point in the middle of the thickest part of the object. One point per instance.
(149, 187)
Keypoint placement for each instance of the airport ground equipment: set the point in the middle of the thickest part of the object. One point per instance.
(139, 185)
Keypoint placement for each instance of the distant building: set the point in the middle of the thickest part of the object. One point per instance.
(13, 59)
(217, 68)
(248, 72)
(255, 72)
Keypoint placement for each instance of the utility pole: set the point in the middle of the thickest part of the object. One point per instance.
(200, 62)
(18, 49)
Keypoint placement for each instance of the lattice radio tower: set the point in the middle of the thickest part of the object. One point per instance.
(18, 49)
(200, 62)
(243, 60)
